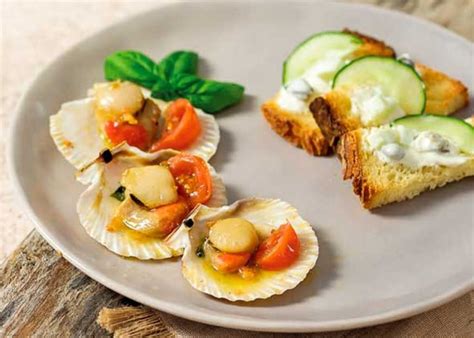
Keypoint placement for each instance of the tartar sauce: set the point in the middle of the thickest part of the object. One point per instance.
(373, 106)
(317, 80)
(399, 144)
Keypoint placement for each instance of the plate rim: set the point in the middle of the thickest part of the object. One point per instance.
(242, 323)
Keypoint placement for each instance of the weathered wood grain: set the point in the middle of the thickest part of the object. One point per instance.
(41, 294)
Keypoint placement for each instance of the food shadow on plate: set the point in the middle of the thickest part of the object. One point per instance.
(227, 143)
(224, 152)
(233, 194)
(248, 105)
(204, 68)
(428, 199)
(318, 279)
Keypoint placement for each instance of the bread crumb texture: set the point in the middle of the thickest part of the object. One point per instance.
(378, 183)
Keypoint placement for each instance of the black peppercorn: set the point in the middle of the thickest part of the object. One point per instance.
(107, 156)
(188, 222)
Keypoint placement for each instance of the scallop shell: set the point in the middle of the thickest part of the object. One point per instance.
(265, 214)
(76, 134)
(96, 207)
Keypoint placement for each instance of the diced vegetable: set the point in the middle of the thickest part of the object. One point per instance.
(119, 194)
(225, 262)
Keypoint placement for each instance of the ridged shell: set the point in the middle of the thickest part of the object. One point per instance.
(76, 134)
(265, 214)
(96, 207)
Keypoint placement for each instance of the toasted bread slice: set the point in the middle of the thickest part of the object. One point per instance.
(300, 129)
(444, 95)
(378, 183)
(332, 112)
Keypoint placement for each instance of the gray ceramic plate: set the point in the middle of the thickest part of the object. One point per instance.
(373, 268)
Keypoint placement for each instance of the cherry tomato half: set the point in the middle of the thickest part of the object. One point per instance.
(192, 177)
(280, 250)
(134, 134)
(182, 127)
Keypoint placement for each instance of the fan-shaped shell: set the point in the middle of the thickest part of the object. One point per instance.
(96, 207)
(77, 136)
(266, 215)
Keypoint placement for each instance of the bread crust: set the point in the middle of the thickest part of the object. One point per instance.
(331, 113)
(349, 152)
(444, 95)
(371, 178)
(371, 45)
(299, 129)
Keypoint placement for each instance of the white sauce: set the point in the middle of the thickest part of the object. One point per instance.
(373, 107)
(291, 102)
(398, 144)
(316, 80)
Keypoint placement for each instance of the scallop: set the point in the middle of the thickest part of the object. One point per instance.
(77, 135)
(96, 207)
(266, 215)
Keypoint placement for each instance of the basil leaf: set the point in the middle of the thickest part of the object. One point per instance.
(211, 96)
(163, 90)
(131, 66)
(119, 194)
(177, 62)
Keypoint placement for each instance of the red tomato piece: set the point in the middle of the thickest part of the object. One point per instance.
(134, 134)
(280, 250)
(192, 177)
(182, 127)
(229, 262)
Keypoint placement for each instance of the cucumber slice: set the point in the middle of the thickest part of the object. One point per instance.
(457, 130)
(315, 48)
(396, 79)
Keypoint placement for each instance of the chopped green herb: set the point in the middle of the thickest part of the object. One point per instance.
(119, 194)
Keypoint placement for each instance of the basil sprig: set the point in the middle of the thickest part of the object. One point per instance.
(174, 77)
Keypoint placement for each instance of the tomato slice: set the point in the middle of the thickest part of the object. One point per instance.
(168, 217)
(280, 250)
(229, 262)
(134, 134)
(182, 127)
(192, 177)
